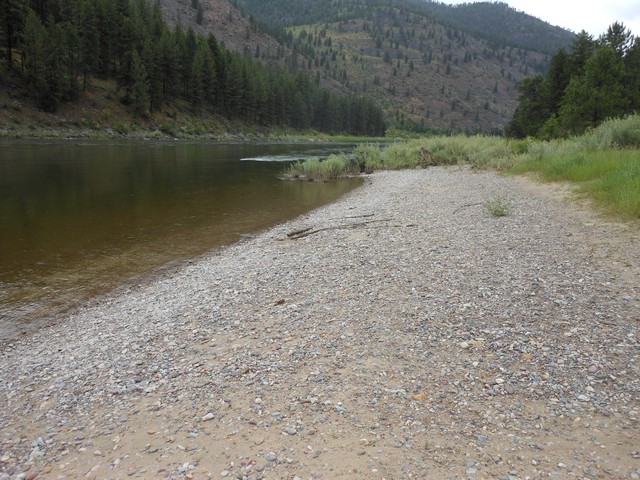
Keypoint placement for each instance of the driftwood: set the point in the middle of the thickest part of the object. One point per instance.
(466, 205)
(362, 216)
(297, 234)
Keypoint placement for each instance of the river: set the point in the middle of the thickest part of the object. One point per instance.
(79, 218)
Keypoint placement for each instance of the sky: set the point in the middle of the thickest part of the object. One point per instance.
(594, 16)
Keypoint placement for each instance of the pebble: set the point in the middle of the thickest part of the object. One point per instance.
(368, 365)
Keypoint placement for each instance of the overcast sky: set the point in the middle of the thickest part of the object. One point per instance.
(594, 16)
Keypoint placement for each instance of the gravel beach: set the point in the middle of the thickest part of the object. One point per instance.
(408, 334)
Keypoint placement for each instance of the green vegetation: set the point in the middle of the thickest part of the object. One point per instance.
(595, 81)
(604, 164)
(323, 170)
(498, 206)
(610, 177)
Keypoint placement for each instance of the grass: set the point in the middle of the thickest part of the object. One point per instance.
(323, 170)
(609, 177)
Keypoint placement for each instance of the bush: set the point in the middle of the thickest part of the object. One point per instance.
(498, 206)
(615, 133)
(368, 157)
(323, 170)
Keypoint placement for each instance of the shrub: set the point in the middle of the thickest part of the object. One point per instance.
(323, 170)
(498, 206)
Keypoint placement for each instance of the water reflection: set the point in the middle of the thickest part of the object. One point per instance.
(79, 218)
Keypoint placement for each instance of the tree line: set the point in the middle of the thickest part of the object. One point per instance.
(58, 46)
(596, 80)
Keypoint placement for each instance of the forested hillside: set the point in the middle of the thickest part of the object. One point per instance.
(430, 65)
(56, 48)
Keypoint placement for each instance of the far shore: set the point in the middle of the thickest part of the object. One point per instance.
(401, 332)
(113, 133)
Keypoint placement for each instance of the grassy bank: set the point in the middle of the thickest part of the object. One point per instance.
(611, 178)
(604, 164)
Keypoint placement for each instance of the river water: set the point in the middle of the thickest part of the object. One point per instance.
(78, 218)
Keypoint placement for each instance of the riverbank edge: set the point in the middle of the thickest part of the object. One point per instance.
(43, 133)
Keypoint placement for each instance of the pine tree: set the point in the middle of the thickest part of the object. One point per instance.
(199, 14)
(581, 50)
(34, 39)
(557, 80)
(169, 71)
(140, 85)
(632, 77)
(89, 40)
(618, 38)
(12, 13)
(596, 95)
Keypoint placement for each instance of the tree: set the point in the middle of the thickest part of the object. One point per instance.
(34, 39)
(532, 111)
(557, 80)
(632, 71)
(581, 50)
(618, 38)
(169, 71)
(199, 14)
(140, 85)
(153, 66)
(13, 15)
(596, 95)
(53, 90)
(89, 40)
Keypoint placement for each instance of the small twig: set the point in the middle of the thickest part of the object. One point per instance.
(466, 205)
(362, 216)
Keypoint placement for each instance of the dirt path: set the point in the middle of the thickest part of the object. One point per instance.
(421, 338)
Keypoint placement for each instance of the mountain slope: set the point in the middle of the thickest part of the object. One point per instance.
(501, 25)
(226, 22)
(430, 65)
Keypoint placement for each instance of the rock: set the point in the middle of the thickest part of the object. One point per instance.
(35, 454)
(207, 417)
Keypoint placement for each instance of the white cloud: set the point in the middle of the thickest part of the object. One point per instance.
(576, 15)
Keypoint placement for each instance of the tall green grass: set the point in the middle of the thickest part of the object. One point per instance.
(610, 177)
(323, 170)
(604, 165)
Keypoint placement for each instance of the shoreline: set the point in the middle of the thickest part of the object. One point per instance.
(412, 336)
(58, 133)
